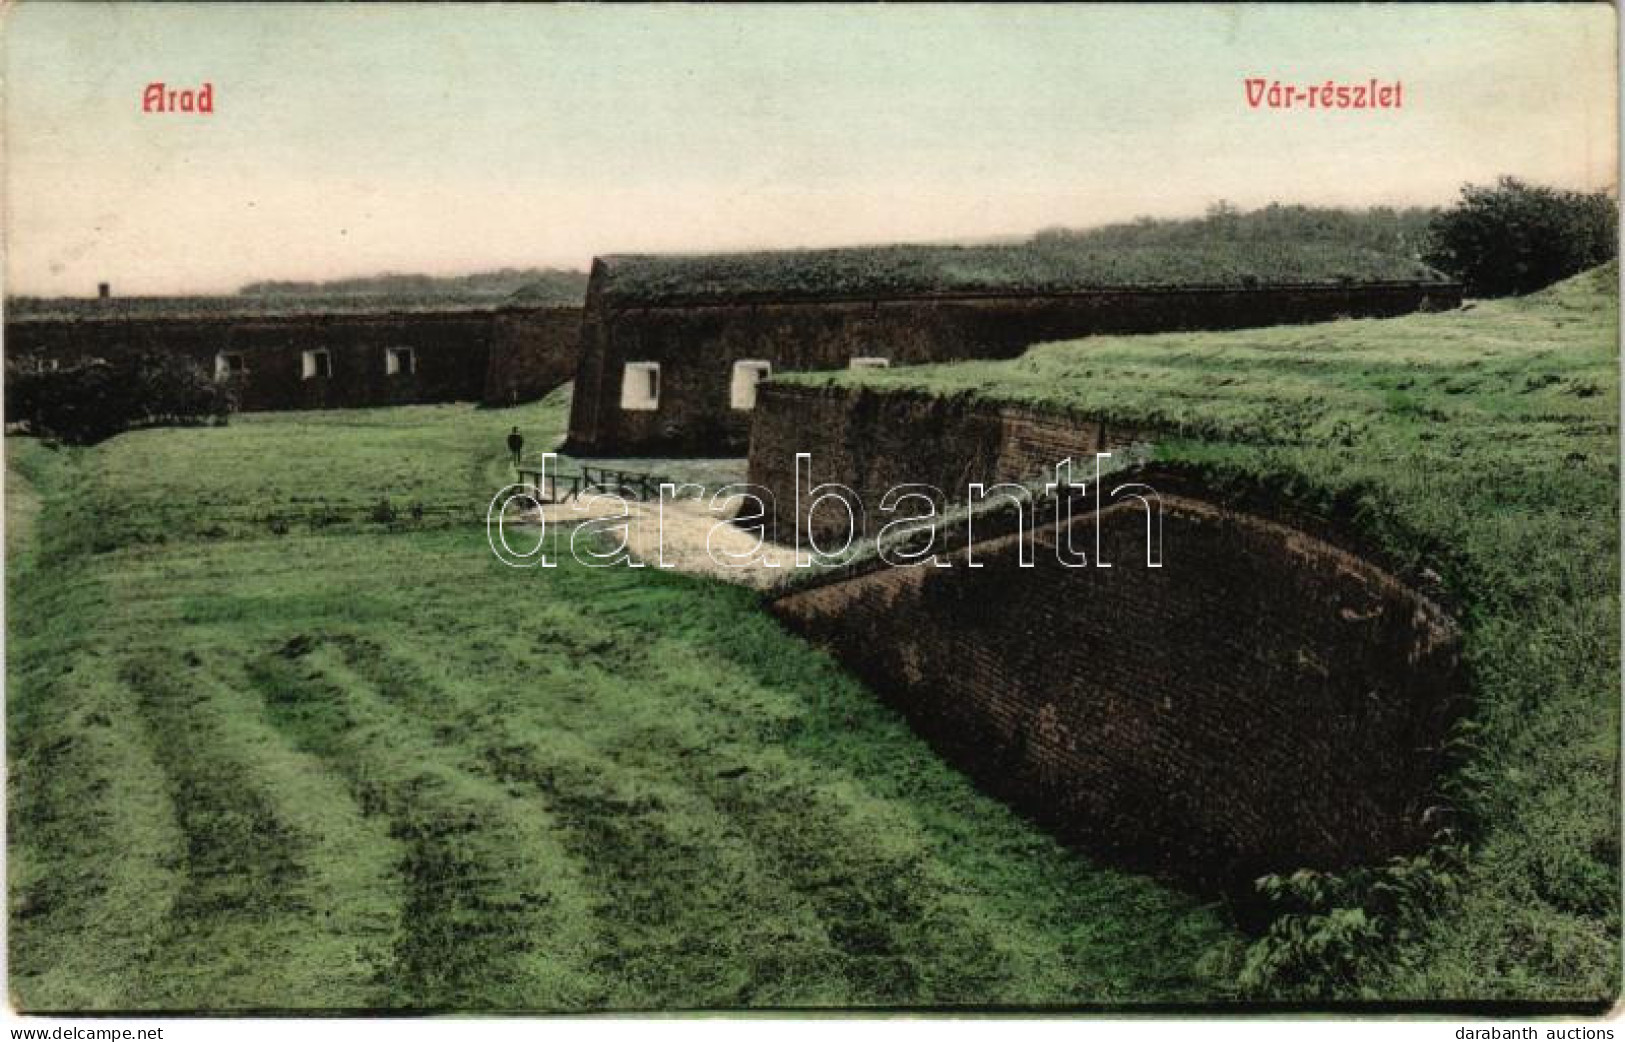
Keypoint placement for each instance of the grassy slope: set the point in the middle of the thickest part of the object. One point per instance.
(267, 751)
(1482, 444)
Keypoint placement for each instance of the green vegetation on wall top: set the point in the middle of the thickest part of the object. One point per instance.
(1281, 245)
(376, 294)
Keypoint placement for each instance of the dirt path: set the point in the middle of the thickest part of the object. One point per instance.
(684, 535)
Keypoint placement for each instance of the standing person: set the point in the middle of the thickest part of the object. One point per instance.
(516, 446)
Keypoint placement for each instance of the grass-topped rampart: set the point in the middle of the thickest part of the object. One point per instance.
(1480, 446)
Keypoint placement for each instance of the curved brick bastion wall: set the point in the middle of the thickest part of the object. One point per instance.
(1268, 699)
(1262, 702)
(695, 343)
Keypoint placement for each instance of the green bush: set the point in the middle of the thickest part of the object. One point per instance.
(1514, 238)
(1329, 928)
(93, 400)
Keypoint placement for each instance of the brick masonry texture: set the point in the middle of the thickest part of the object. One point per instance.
(495, 356)
(872, 442)
(1264, 701)
(533, 351)
(697, 344)
(1269, 699)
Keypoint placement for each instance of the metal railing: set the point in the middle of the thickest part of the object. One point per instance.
(560, 488)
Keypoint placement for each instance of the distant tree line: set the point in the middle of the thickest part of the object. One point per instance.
(91, 400)
(1399, 232)
(1507, 238)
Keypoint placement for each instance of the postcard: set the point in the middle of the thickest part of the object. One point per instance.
(819, 510)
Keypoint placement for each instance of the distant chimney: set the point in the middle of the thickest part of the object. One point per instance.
(104, 290)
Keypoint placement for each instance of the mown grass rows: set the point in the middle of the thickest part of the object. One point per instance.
(362, 764)
(371, 767)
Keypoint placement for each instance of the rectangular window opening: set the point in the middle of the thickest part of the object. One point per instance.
(747, 374)
(640, 386)
(316, 365)
(399, 361)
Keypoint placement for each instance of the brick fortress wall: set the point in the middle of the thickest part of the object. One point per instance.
(533, 351)
(696, 344)
(495, 356)
(1270, 698)
(872, 442)
(1262, 702)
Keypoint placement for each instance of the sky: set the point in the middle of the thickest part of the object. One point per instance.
(351, 140)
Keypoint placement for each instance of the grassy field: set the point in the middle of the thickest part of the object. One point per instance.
(284, 734)
(1481, 444)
